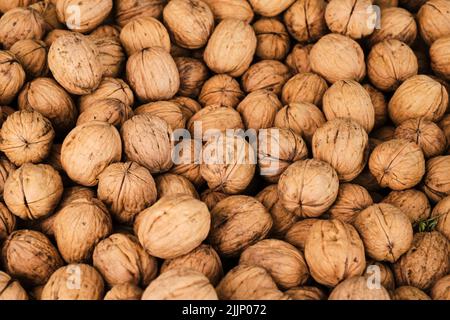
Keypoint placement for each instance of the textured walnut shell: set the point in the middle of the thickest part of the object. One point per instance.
(298, 59)
(236, 9)
(441, 289)
(439, 51)
(336, 57)
(188, 106)
(419, 96)
(169, 111)
(55, 34)
(269, 8)
(109, 88)
(47, 9)
(386, 3)
(111, 111)
(203, 259)
(88, 16)
(381, 272)
(211, 197)
(126, 188)
(180, 284)
(26, 136)
(6, 168)
(351, 200)
(358, 288)
(385, 133)
(425, 262)
(169, 184)
(74, 282)
(305, 20)
(128, 10)
(266, 74)
(436, 180)
(6, 5)
(433, 19)
(299, 232)
(173, 226)
(308, 187)
(258, 109)
(5, 112)
(379, 105)
(193, 73)
(125, 291)
(222, 90)
(238, 222)
(107, 30)
(32, 55)
(45, 96)
(231, 47)
(110, 55)
(79, 226)
(121, 259)
(11, 289)
(413, 203)
(334, 252)
(304, 87)
(12, 77)
(409, 293)
(398, 164)
(273, 39)
(30, 257)
(186, 156)
(7, 222)
(344, 144)
(441, 212)
(306, 293)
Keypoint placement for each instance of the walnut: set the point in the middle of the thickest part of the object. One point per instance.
(269, 8)
(211, 197)
(382, 272)
(385, 133)
(386, 3)
(409, 293)
(266, 74)
(306, 293)
(55, 34)
(440, 49)
(12, 77)
(5, 112)
(6, 168)
(112, 111)
(436, 183)
(304, 87)
(7, 222)
(193, 74)
(106, 30)
(6, 5)
(186, 156)
(299, 232)
(125, 291)
(236, 9)
(433, 18)
(441, 213)
(128, 10)
(110, 54)
(305, 20)
(379, 105)
(358, 288)
(221, 89)
(273, 39)
(32, 55)
(169, 111)
(11, 289)
(413, 203)
(298, 59)
(351, 200)
(169, 184)
(188, 106)
(441, 289)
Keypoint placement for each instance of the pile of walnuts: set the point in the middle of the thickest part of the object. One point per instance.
(125, 174)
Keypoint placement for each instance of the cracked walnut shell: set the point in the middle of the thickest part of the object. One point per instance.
(305, 20)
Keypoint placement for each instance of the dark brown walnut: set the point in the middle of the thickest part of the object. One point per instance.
(203, 259)
(390, 62)
(273, 39)
(121, 259)
(12, 77)
(211, 197)
(147, 141)
(47, 9)
(336, 57)
(441, 213)
(169, 184)
(32, 55)
(298, 59)
(107, 30)
(379, 105)
(30, 257)
(305, 20)
(266, 74)
(384, 133)
(26, 136)
(299, 232)
(33, 191)
(191, 22)
(88, 14)
(111, 111)
(237, 223)
(6, 168)
(186, 156)
(169, 111)
(11, 289)
(79, 226)
(440, 49)
(436, 183)
(5, 112)
(128, 10)
(153, 74)
(433, 19)
(7, 222)
(283, 261)
(173, 226)
(258, 109)
(398, 164)
(381, 273)
(126, 188)
(111, 55)
(304, 87)
(308, 188)
(221, 89)
(441, 289)
(236, 9)
(409, 293)
(344, 144)
(188, 106)
(306, 293)
(411, 202)
(74, 282)
(349, 99)
(180, 284)
(45, 96)
(193, 74)
(125, 291)
(419, 96)
(351, 200)
(359, 288)
(425, 262)
(6, 5)
(269, 8)
(231, 47)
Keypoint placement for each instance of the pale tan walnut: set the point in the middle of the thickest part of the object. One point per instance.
(6, 168)
(398, 164)
(237, 223)
(304, 87)
(305, 20)
(7, 222)
(186, 156)
(409, 293)
(277, 149)
(89, 15)
(358, 288)
(308, 188)
(228, 163)
(12, 77)
(6, 5)
(74, 282)
(11, 289)
(433, 18)
(236, 9)
(30, 257)
(268, 8)
(173, 226)
(47, 9)
(26, 136)
(436, 181)
(299, 232)
(334, 252)
(110, 54)
(441, 213)
(55, 34)
(47, 97)
(193, 74)
(121, 259)
(379, 271)
(231, 47)
(336, 57)
(180, 284)
(283, 261)
(153, 74)
(169, 184)
(32, 55)
(107, 30)
(441, 289)
(344, 144)
(266, 74)
(203, 259)
(147, 141)
(395, 23)
(126, 188)
(191, 22)
(143, 33)
(425, 262)
(258, 109)
(273, 39)
(439, 53)
(351, 200)
(128, 10)
(125, 291)
(298, 59)
(306, 293)
(112, 111)
(221, 89)
(79, 226)
(390, 62)
(413, 203)
(75, 63)
(188, 106)
(379, 105)
(211, 197)
(169, 111)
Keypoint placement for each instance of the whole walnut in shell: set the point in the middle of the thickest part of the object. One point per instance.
(6, 168)
(358, 288)
(409, 293)
(308, 187)
(398, 164)
(238, 222)
(173, 226)
(306, 293)
(7, 222)
(110, 55)
(32, 55)
(221, 89)
(433, 19)
(186, 156)
(266, 74)
(128, 10)
(211, 197)
(11, 289)
(269, 8)
(47, 9)
(193, 73)
(439, 51)
(126, 188)
(6, 5)
(55, 34)
(351, 200)
(272, 39)
(169, 184)
(411, 202)
(187, 105)
(298, 58)
(305, 20)
(380, 272)
(436, 181)
(379, 105)
(74, 282)
(30, 257)
(5, 112)
(258, 109)
(169, 111)
(112, 111)
(106, 31)
(125, 291)
(236, 9)
(441, 289)
(299, 232)
(304, 87)
(441, 212)
(26, 136)
(12, 77)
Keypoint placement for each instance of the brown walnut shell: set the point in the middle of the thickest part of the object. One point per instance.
(351, 200)
(186, 156)
(380, 272)
(306, 293)
(32, 55)
(358, 288)
(128, 10)
(379, 105)
(12, 77)
(441, 289)
(11, 289)
(304, 87)
(112, 111)
(273, 39)
(193, 74)
(125, 291)
(110, 55)
(409, 293)
(221, 89)
(211, 197)
(298, 59)
(169, 111)
(6, 5)
(433, 19)
(299, 232)
(413, 203)
(441, 212)
(269, 8)
(436, 181)
(169, 184)
(266, 74)
(236, 9)
(7, 222)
